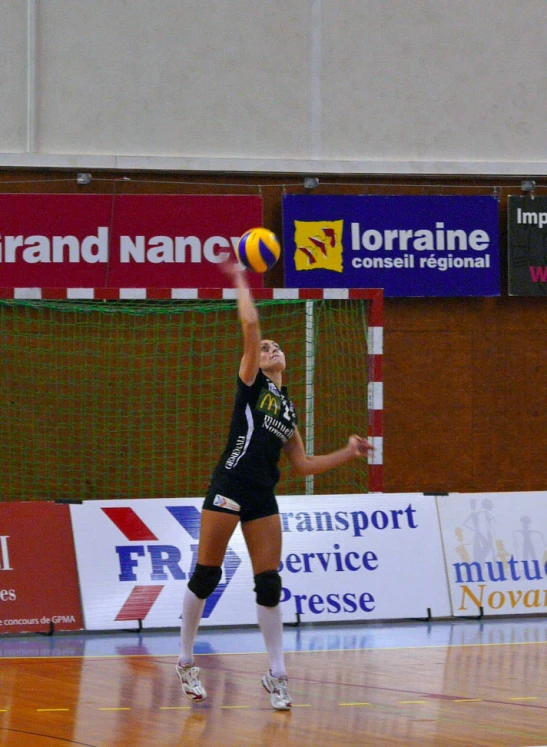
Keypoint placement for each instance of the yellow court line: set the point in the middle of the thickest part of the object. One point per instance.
(405, 702)
(50, 710)
(301, 705)
(468, 700)
(353, 704)
(530, 698)
(234, 707)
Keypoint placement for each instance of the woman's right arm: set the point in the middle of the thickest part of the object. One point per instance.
(250, 323)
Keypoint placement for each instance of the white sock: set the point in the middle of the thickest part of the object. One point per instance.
(192, 610)
(271, 626)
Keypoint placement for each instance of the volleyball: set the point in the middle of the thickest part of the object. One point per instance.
(258, 249)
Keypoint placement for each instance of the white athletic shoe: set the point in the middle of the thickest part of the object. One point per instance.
(191, 683)
(278, 689)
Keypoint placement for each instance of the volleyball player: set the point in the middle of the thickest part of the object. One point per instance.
(242, 489)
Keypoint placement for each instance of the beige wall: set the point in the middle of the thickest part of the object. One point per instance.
(344, 86)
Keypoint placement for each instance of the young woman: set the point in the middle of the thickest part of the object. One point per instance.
(242, 489)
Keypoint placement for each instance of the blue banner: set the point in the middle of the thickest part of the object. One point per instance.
(408, 245)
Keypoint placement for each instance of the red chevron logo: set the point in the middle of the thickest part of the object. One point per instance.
(141, 600)
(139, 603)
(130, 524)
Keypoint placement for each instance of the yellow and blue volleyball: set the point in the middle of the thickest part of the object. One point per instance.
(258, 249)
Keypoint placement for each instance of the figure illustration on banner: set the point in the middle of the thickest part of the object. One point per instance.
(503, 554)
(481, 523)
(529, 543)
(461, 549)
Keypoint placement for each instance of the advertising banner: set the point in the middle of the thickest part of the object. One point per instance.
(38, 578)
(123, 241)
(527, 245)
(408, 245)
(496, 552)
(345, 557)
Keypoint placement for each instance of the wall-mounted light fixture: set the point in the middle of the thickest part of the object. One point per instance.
(83, 179)
(528, 185)
(311, 182)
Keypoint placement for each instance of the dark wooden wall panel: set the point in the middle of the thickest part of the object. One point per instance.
(428, 419)
(510, 410)
(465, 395)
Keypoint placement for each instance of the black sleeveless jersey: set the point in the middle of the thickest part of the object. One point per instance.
(262, 421)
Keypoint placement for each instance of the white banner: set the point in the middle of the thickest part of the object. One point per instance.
(345, 557)
(496, 552)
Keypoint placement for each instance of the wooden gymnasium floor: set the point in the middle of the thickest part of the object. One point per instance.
(442, 683)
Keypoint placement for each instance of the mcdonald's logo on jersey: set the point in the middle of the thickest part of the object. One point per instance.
(269, 403)
(319, 245)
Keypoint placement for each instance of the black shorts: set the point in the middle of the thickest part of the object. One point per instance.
(228, 496)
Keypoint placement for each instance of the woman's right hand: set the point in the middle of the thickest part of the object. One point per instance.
(233, 269)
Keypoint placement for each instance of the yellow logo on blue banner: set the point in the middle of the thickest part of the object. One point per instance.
(319, 245)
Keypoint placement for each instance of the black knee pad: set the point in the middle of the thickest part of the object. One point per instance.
(268, 588)
(205, 580)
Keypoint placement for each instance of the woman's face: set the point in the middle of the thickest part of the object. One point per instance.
(272, 358)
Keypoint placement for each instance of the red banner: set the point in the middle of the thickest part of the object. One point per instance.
(38, 575)
(125, 241)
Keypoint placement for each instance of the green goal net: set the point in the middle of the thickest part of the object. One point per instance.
(132, 399)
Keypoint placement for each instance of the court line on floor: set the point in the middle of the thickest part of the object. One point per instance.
(448, 699)
(7, 658)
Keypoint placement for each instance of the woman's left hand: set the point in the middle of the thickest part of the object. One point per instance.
(359, 445)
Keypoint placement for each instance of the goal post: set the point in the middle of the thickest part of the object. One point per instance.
(132, 398)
